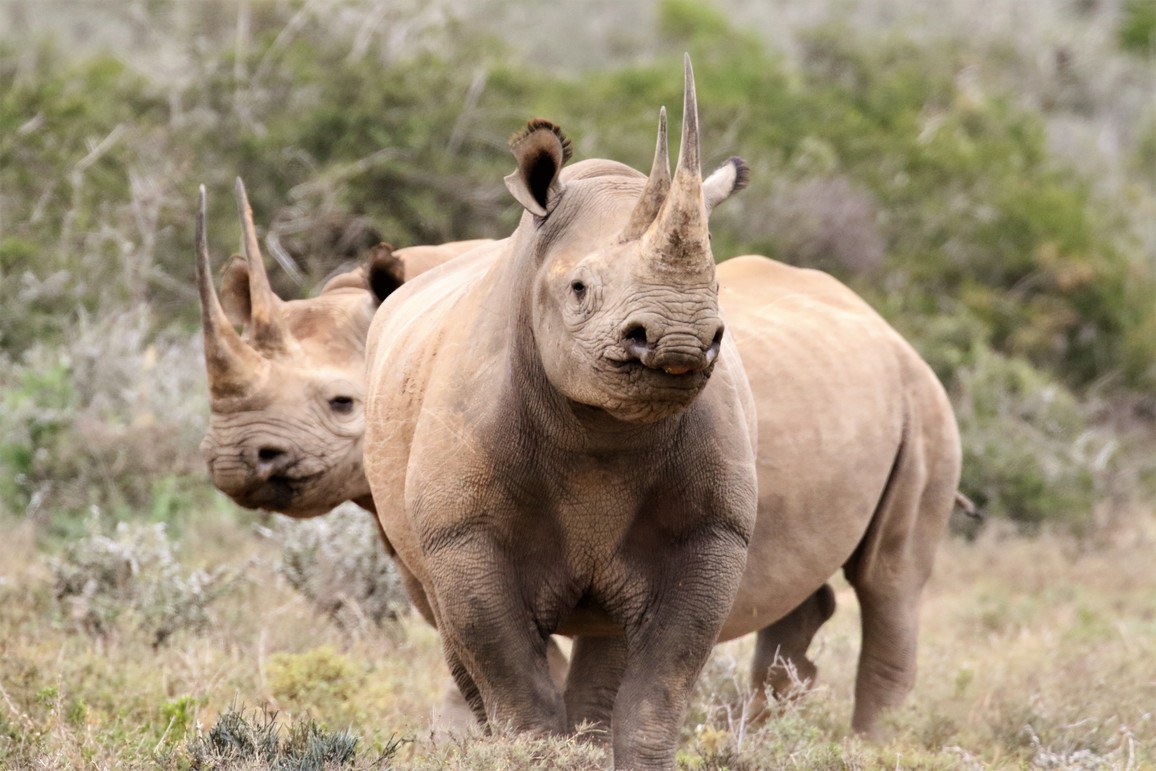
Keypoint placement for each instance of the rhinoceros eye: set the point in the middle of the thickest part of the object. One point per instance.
(578, 288)
(342, 405)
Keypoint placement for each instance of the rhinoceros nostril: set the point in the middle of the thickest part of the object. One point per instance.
(269, 454)
(635, 334)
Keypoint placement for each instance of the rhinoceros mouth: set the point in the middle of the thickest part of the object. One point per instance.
(673, 376)
(277, 493)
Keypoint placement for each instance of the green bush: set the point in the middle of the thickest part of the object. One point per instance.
(1137, 31)
(104, 419)
(1029, 448)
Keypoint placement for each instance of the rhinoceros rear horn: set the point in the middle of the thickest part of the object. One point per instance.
(656, 190)
(267, 329)
(678, 238)
(541, 150)
(231, 364)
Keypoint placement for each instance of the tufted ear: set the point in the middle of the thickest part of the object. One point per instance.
(730, 178)
(235, 291)
(541, 150)
(384, 271)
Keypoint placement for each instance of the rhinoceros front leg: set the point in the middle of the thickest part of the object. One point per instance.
(673, 630)
(495, 650)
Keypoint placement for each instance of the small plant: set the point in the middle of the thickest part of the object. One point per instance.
(238, 740)
(135, 572)
(339, 563)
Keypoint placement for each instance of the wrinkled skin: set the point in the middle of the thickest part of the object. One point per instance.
(556, 443)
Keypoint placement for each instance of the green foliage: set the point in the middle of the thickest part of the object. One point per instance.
(36, 405)
(1137, 30)
(1029, 451)
(67, 136)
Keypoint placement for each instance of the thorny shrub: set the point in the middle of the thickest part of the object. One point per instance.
(261, 740)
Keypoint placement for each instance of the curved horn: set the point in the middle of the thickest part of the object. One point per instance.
(230, 362)
(267, 328)
(657, 187)
(678, 237)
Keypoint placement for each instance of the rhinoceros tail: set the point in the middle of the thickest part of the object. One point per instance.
(967, 506)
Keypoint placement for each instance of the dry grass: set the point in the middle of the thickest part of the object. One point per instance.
(1035, 653)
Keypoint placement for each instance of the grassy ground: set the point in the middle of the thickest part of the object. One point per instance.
(1035, 653)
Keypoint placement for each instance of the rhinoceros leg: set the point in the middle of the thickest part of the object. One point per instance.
(492, 643)
(674, 623)
(467, 688)
(887, 656)
(780, 661)
(891, 565)
(596, 666)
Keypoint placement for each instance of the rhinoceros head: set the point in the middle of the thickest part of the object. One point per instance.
(625, 309)
(286, 396)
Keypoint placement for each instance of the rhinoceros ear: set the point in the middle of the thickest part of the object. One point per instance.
(541, 150)
(730, 178)
(235, 291)
(384, 271)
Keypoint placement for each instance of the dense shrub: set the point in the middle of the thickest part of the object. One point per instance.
(339, 563)
(134, 577)
(109, 416)
(1030, 453)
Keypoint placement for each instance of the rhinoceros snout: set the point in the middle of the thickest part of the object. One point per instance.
(271, 460)
(679, 352)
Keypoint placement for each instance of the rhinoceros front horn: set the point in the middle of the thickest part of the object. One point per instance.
(678, 237)
(232, 365)
(267, 329)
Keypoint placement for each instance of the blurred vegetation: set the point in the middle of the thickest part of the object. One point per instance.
(903, 165)
(1138, 27)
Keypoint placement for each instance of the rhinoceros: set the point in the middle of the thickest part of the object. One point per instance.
(286, 400)
(561, 438)
(287, 422)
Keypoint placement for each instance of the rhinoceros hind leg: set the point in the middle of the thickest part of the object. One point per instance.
(596, 670)
(887, 656)
(780, 661)
(892, 564)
